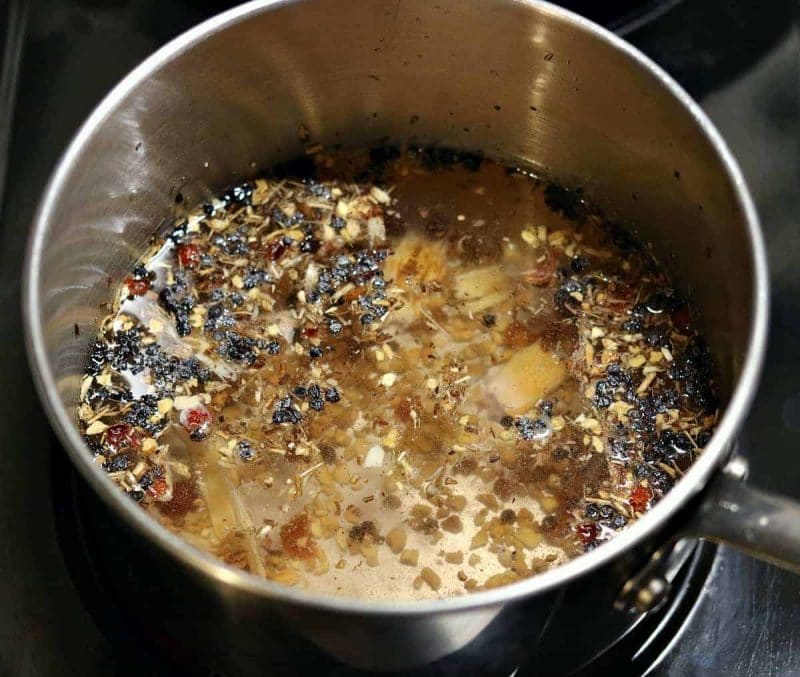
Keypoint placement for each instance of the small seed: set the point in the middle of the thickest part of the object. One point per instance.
(431, 578)
(409, 556)
(396, 539)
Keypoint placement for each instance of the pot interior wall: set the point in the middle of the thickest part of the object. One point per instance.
(509, 78)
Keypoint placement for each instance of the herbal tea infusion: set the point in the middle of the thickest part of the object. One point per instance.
(414, 375)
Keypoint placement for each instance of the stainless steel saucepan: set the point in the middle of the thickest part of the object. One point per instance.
(521, 80)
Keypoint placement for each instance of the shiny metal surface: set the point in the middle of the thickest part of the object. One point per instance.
(652, 585)
(759, 523)
(603, 115)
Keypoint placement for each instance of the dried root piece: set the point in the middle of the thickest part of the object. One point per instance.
(526, 378)
(421, 260)
(225, 508)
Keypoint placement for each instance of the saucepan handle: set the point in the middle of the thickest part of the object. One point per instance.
(757, 522)
(764, 525)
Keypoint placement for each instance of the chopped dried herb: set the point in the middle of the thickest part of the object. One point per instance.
(260, 311)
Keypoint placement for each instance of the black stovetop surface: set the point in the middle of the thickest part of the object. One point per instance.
(743, 63)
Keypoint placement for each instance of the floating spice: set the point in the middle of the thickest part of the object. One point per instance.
(348, 380)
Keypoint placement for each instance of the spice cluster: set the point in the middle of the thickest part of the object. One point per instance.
(416, 368)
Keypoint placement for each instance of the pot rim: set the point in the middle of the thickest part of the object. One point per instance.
(205, 564)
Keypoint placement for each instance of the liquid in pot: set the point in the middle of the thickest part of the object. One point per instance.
(416, 374)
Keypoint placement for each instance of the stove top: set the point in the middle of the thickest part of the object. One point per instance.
(730, 616)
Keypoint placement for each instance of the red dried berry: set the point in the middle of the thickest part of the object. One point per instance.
(197, 417)
(640, 498)
(197, 421)
(189, 255)
(310, 332)
(135, 286)
(274, 250)
(587, 532)
(122, 436)
(158, 488)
